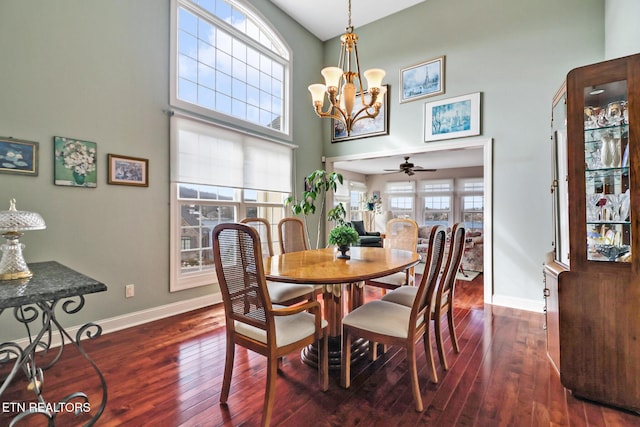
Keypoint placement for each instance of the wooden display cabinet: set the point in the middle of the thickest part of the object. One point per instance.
(599, 295)
(557, 261)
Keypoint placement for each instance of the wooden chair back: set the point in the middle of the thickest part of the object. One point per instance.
(262, 226)
(451, 266)
(292, 235)
(238, 261)
(402, 233)
(444, 295)
(424, 302)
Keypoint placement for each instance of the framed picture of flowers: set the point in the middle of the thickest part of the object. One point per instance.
(75, 162)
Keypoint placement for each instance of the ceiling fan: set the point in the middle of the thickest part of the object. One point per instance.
(409, 168)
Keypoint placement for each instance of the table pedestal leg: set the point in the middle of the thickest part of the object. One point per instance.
(334, 312)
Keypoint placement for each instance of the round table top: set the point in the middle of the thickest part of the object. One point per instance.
(321, 266)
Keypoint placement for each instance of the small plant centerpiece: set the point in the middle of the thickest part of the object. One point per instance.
(343, 236)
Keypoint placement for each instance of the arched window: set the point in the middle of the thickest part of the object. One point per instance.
(229, 64)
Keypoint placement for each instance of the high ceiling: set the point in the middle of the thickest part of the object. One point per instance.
(328, 18)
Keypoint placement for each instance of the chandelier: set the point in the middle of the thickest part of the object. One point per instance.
(340, 86)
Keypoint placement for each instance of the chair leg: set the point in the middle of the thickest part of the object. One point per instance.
(345, 369)
(428, 351)
(228, 369)
(270, 393)
(452, 329)
(413, 372)
(439, 339)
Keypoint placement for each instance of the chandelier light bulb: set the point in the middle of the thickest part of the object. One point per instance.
(341, 88)
(317, 92)
(374, 77)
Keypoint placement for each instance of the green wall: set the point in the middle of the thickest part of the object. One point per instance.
(99, 71)
(517, 53)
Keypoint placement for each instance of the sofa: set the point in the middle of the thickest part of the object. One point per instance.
(366, 238)
(473, 258)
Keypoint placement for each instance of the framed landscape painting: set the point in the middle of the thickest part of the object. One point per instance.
(452, 118)
(365, 127)
(422, 80)
(18, 157)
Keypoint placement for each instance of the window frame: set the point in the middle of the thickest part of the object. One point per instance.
(220, 117)
(473, 192)
(440, 188)
(179, 280)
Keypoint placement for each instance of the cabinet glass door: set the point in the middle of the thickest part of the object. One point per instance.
(606, 152)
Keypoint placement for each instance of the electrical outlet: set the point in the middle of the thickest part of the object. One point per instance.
(129, 291)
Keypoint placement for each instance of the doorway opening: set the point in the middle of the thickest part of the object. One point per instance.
(441, 150)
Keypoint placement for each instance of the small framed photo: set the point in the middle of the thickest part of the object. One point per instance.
(365, 127)
(452, 118)
(18, 157)
(125, 170)
(75, 162)
(422, 80)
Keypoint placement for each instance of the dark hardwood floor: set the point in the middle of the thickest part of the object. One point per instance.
(169, 373)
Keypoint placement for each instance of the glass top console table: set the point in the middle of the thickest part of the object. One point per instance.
(34, 303)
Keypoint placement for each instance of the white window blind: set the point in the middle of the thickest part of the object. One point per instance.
(400, 187)
(202, 153)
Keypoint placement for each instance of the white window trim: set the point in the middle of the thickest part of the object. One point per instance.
(221, 118)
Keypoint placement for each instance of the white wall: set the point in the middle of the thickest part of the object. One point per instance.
(622, 29)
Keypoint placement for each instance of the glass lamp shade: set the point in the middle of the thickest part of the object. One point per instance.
(317, 92)
(374, 77)
(332, 76)
(12, 223)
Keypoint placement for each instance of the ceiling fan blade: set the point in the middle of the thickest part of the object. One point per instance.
(392, 170)
(424, 170)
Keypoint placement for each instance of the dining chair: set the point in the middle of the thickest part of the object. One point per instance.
(280, 293)
(292, 235)
(401, 233)
(444, 294)
(395, 324)
(251, 319)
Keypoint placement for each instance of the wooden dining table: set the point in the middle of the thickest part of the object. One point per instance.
(339, 277)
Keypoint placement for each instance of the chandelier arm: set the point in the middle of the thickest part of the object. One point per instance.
(327, 114)
(367, 115)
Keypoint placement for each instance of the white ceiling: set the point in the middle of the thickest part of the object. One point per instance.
(460, 158)
(328, 18)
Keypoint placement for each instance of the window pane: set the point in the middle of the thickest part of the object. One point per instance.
(203, 40)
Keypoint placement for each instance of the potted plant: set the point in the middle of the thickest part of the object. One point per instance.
(343, 236)
(317, 184)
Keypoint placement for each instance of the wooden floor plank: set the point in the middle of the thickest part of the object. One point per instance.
(169, 373)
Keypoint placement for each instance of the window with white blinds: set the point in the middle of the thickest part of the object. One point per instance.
(203, 153)
(219, 175)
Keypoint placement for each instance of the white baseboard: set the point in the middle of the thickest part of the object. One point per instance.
(519, 303)
(128, 320)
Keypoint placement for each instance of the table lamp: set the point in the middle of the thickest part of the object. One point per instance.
(12, 224)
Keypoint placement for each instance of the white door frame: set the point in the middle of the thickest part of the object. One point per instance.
(487, 147)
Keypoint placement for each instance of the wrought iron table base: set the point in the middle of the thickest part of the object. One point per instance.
(39, 347)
